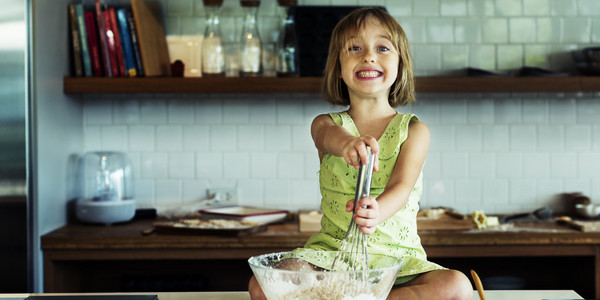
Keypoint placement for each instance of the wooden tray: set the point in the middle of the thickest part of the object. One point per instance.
(585, 226)
(177, 227)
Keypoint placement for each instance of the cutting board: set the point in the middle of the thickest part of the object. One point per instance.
(585, 226)
(444, 222)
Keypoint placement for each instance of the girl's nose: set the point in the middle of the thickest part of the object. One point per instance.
(369, 57)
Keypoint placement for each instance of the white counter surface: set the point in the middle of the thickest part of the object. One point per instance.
(489, 295)
(528, 295)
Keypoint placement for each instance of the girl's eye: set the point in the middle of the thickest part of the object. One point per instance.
(382, 48)
(354, 48)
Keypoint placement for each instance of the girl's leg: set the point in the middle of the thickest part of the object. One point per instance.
(254, 290)
(435, 285)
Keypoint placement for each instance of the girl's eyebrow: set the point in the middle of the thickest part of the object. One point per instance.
(384, 36)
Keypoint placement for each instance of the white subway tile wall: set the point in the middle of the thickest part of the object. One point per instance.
(498, 152)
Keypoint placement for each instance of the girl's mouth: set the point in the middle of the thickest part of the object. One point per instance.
(368, 74)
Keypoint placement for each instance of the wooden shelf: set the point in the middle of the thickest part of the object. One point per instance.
(193, 85)
(313, 85)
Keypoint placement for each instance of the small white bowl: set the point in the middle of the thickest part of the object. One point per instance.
(588, 210)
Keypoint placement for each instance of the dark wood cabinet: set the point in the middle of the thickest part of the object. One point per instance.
(87, 258)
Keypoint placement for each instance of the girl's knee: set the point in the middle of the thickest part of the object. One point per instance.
(460, 285)
(452, 285)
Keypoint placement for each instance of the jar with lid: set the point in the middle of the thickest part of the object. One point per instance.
(288, 64)
(250, 53)
(213, 56)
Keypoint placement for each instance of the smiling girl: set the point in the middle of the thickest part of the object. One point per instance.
(369, 70)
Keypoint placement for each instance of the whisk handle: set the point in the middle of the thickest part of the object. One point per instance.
(365, 173)
(369, 174)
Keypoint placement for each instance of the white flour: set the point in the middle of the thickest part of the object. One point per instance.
(325, 286)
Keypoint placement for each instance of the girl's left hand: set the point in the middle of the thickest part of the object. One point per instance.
(367, 214)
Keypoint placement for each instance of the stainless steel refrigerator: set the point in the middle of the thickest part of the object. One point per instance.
(13, 153)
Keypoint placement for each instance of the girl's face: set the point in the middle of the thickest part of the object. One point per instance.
(369, 66)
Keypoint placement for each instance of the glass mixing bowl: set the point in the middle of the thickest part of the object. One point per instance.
(309, 284)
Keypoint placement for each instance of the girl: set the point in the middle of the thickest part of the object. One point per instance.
(369, 68)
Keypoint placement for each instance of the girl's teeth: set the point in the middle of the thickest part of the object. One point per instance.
(368, 74)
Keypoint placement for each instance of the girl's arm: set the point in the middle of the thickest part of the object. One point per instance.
(336, 140)
(406, 172)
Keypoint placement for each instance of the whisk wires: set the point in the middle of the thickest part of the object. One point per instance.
(353, 254)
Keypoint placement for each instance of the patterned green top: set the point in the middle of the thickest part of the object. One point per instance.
(396, 236)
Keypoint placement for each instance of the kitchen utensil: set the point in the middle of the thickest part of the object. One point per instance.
(352, 254)
(478, 284)
(107, 192)
(540, 214)
(308, 284)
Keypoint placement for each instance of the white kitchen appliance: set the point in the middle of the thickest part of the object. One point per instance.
(105, 181)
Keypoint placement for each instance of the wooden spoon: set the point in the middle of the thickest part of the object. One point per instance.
(478, 285)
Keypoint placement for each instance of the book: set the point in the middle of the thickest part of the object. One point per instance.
(85, 53)
(117, 36)
(75, 44)
(92, 37)
(151, 38)
(139, 66)
(102, 40)
(126, 45)
(110, 42)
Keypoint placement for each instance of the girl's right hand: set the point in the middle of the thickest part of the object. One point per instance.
(355, 151)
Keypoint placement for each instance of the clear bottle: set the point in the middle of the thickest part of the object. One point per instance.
(288, 63)
(213, 53)
(250, 54)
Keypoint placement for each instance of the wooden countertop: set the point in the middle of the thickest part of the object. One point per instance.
(74, 250)
(129, 236)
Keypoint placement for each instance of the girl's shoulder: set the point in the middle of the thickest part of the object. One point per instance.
(397, 133)
(340, 118)
(405, 120)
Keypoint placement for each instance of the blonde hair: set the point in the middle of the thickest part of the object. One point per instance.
(335, 90)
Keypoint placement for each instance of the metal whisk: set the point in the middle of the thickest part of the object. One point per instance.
(353, 254)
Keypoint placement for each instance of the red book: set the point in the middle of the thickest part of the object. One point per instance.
(102, 38)
(90, 27)
(118, 49)
(110, 41)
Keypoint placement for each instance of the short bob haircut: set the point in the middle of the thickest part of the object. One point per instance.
(335, 90)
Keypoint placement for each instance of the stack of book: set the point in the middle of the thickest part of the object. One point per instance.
(108, 41)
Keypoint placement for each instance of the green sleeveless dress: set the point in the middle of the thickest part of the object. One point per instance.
(396, 236)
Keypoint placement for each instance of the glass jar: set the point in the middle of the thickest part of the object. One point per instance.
(213, 54)
(250, 53)
(288, 64)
